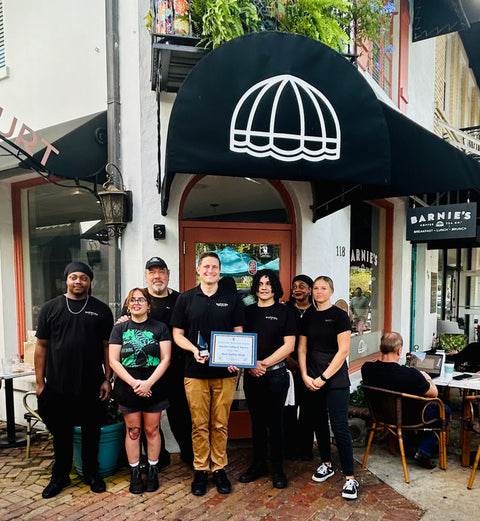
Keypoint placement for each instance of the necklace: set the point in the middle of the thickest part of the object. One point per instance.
(76, 312)
(302, 311)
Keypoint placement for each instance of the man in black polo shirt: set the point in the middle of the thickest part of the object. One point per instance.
(157, 276)
(73, 374)
(210, 390)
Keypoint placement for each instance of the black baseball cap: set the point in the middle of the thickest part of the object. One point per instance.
(156, 261)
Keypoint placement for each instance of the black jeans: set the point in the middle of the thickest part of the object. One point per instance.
(333, 404)
(178, 412)
(60, 413)
(266, 402)
(298, 428)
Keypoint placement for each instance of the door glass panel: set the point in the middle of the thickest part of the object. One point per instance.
(242, 261)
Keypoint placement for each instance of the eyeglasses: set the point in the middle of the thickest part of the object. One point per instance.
(140, 300)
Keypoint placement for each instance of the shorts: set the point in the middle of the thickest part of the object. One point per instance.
(156, 407)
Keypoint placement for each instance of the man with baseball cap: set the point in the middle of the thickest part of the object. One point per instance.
(157, 277)
(73, 374)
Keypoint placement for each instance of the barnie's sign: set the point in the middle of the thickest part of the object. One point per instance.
(453, 221)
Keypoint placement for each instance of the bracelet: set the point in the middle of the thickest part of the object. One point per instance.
(323, 378)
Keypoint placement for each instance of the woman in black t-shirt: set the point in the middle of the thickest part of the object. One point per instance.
(323, 348)
(266, 385)
(139, 352)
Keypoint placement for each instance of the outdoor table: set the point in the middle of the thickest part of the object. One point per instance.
(12, 439)
(467, 385)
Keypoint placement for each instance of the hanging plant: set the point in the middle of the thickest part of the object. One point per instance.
(329, 21)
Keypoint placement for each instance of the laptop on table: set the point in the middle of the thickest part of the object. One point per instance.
(430, 363)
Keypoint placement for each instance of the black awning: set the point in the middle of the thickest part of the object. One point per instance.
(76, 149)
(283, 106)
(432, 19)
(421, 163)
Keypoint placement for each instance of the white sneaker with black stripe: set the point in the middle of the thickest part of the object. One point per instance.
(323, 473)
(350, 489)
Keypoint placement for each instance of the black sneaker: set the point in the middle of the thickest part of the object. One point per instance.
(350, 489)
(222, 482)
(151, 483)
(55, 486)
(323, 473)
(136, 483)
(199, 483)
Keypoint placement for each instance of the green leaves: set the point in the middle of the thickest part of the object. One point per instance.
(329, 21)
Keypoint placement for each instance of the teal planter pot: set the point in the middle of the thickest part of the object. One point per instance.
(112, 443)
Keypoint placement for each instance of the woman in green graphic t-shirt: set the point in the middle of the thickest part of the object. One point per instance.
(139, 353)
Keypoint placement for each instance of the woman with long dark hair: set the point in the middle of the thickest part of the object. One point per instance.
(139, 352)
(323, 348)
(267, 384)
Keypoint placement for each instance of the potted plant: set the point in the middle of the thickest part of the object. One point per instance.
(112, 442)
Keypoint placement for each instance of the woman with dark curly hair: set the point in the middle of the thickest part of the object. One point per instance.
(139, 355)
(266, 385)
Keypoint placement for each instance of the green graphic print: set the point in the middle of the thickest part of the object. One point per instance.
(139, 349)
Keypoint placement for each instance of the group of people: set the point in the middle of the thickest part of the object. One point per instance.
(157, 352)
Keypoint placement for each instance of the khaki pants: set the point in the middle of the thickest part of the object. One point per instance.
(210, 401)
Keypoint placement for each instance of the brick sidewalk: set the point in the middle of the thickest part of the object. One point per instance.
(22, 481)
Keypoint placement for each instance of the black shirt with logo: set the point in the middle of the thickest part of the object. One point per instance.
(321, 329)
(75, 353)
(197, 313)
(272, 324)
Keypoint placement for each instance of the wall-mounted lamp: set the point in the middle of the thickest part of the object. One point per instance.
(116, 205)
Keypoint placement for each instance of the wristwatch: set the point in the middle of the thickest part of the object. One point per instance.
(323, 378)
(110, 380)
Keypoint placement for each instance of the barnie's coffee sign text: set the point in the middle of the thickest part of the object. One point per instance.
(453, 221)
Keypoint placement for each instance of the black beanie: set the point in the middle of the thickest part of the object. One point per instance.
(78, 266)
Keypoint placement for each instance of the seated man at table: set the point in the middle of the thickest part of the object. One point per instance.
(387, 373)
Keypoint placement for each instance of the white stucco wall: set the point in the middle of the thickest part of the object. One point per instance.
(55, 54)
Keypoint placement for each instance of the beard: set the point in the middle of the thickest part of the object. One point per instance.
(157, 289)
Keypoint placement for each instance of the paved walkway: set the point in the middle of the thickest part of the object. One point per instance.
(22, 481)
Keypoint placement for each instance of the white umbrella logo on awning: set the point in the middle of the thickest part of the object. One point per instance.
(286, 118)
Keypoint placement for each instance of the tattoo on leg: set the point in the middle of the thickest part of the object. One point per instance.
(134, 433)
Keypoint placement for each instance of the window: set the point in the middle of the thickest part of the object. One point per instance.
(376, 59)
(367, 284)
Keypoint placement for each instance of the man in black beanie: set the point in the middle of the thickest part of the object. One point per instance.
(73, 375)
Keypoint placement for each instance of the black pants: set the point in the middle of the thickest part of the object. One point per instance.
(298, 429)
(178, 412)
(333, 404)
(60, 413)
(266, 402)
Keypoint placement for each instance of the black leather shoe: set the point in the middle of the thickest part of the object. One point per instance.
(424, 461)
(164, 459)
(55, 487)
(254, 472)
(279, 480)
(136, 483)
(95, 481)
(151, 483)
(220, 479)
(199, 483)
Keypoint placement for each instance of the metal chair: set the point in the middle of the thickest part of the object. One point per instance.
(32, 418)
(471, 422)
(397, 412)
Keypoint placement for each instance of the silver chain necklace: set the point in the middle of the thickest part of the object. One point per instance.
(301, 311)
(76, 312)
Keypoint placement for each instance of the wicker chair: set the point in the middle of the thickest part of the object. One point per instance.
(397, 412)
(471, 422)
